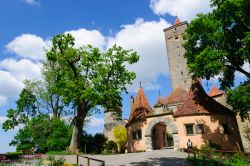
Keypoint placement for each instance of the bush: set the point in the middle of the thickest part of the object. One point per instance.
(111, 147)
(13, 155)
(94, 144)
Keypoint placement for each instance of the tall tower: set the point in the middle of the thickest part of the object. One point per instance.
(176, 61)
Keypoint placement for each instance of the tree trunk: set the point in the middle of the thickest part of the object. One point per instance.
(76, 139)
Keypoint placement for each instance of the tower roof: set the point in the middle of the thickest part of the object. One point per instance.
(141, 106)
(159, 101)
(177, 21)
(179, 95)
(215, 92)
(199, 102)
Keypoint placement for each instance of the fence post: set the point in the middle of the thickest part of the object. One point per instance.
(88, 161)
(188, 153)
(77, 159)
(103, 163)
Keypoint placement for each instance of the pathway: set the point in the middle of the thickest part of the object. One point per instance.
(154, 158)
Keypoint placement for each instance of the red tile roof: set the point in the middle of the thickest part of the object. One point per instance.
(199, 102)
(215, 92)
(177, 21)
(141, 106)
(159, 102)
(179, 95)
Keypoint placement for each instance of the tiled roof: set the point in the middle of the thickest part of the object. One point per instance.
(159, 102)
(177, 21)
(199, 102)
(215, 92)
(141, 106)
(179, 95)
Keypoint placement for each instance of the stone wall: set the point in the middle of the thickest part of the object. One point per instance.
(176, 61)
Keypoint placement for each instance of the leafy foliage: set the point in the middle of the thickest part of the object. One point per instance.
(26, 109)
(218, 43)
(47, 133)
(87, 78)
(111, 147)
(120, 134)
(94, 144)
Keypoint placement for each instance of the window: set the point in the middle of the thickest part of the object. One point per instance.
(136, 135)
(225, 128)
(181, 72)
(199, 129)
(189, 129)
(177, 46)
(176, 38)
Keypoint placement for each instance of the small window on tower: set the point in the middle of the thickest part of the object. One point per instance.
(177, 46)
(176, 38)
(181, 72)
(179, 54)
(185, 81)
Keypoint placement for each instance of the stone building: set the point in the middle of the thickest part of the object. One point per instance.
(187, 113)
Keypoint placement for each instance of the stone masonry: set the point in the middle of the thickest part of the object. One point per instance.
(176, 61)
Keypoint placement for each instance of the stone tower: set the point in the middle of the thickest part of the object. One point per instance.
(176, 61)
(110, 122)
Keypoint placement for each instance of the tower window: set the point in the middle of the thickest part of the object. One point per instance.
(225, 128)
(189, 129)
(176, 38)
(199, 129)
(181, 72)
(179, 54)
(136, 135)
(177, 46)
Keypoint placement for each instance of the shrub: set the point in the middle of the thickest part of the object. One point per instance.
(111, 147)
(13, 155)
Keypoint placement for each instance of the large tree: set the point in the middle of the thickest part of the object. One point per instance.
(88, 78)
(218, 44)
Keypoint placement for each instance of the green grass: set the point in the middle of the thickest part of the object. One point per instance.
(232, 162)
(63, 152)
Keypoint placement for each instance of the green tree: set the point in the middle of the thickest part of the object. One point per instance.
(26, 109)
(120, 134)
(218, 43)
(48, 133)
(87, 78)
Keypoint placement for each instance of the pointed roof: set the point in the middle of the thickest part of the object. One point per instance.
(199, 102)
(215, 92)
(177, 21)
(179, 95)
(141, 106)
(159, 101)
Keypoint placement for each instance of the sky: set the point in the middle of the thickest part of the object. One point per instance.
(27, 27)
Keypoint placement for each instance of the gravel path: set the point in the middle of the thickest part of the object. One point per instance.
(154, 158)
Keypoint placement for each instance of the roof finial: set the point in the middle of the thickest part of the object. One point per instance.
(159, 93)
(177, 20)
(140, 84)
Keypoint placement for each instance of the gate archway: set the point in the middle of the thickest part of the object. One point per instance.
(168, 122)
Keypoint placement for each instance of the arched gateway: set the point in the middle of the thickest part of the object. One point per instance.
(168, 122)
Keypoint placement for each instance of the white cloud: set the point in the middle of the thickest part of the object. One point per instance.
(95, 122)
(185, 9)
(29, 46)
(23, 69)
(3, 100)
(147, 38)
(10, 86)
(84, 37)
(31, 2)
(12, 74)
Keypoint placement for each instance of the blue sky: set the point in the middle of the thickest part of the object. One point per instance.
(28, 25)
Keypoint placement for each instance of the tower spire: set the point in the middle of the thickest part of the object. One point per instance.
(177, 20)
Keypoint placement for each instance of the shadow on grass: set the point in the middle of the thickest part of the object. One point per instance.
(162, 161)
